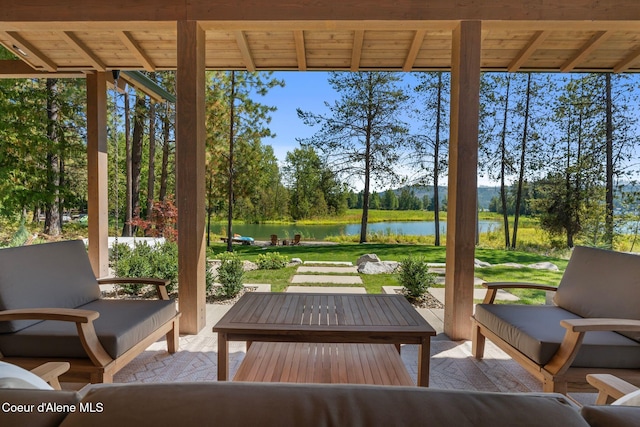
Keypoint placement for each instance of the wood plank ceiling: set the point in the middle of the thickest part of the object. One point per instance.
(560, 46)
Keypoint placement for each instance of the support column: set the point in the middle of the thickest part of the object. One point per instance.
(190, 166)
(97, 174)
(463, 171)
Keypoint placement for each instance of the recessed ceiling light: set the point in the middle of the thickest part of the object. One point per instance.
(19, 50)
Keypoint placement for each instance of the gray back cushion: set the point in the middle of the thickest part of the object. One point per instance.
(601, 283)
(56, 275)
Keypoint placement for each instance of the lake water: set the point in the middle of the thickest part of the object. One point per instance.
(319, 232)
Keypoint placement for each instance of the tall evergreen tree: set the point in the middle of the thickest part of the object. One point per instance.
(362, 135)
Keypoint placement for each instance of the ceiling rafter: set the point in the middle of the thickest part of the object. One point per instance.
(356, 53)
(596, 40)
(538, 38)
(301, 54)
(628, 61)
(79, 46)
(132, 45)
(416, 44)
(243, 45)
(28, 52)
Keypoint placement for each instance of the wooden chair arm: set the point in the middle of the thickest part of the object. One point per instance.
(50, 372)
(63, 314)
(576, 328)
(160, 284)
(492, 288)
(84, 324)
(609, 387)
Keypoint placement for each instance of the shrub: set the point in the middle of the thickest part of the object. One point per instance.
(272, 261)
(230, 275)
(415, 277)
(159, 261)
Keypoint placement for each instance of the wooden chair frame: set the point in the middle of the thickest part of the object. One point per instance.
(557, 375)
(99, 367)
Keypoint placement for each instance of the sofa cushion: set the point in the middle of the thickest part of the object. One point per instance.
(47, 416)
(611, 416)
(536, 332)
(278, 404)
(49, 275)
(121, 325)
(601, 283)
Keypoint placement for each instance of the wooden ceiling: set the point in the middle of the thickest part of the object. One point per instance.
(591, 36)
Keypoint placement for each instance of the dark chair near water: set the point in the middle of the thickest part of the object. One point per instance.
(51, 310)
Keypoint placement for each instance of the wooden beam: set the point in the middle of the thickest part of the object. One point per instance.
(301, 53)
(132, 45)
(627, 62)
(97, 173)
(243, 45)
(27, 51)
(463, 170)
(416, 44)
(15, 69)
(586, 49)
(538, 38)
(356, 52)
(190, 174)
(79, 46)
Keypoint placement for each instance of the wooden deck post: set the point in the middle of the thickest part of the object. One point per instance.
(190, 165)
(97, 174)
(463, 170)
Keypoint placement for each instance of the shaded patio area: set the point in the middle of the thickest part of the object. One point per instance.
(452, 365)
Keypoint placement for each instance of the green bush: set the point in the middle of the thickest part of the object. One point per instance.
(415, 277)
(159, 261)
(272, 261)
(230, 275)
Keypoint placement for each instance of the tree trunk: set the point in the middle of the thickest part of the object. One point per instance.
(164, 173)
(230, 188)
(523, 151)
(365, 195)
(503, 161)
(151, 177)
(126, 228)
(436, 165)
(136, 156)
(52, 222)
(609, 167)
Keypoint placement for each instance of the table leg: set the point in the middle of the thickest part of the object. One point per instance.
(424, 355)
(398, 347)
(223, 357)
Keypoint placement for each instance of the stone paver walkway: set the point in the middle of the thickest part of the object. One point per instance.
(318, 278)
(327, 270)
(328, 289)
(328, 263)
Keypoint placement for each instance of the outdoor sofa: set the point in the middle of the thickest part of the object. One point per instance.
(594, 326)
(283, 404)
(51, 310)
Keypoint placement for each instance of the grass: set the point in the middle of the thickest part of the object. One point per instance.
(280, 279)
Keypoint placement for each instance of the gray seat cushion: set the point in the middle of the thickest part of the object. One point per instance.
(121, 325)
(601, 283)
(283, 405)
(49, 275)
(536, 332)
(611, 416)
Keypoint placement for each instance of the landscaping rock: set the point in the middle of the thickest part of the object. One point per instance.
(512, 264)
(380, 267)
(367, 258)
(249, 266)
(295, 261)
(544, 266)
(479, 263)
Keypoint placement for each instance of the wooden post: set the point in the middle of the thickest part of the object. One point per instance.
(97, 175)
(463, 170)
(190, 165)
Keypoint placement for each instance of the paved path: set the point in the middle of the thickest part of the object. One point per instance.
(328, 270)
(317, 278)
(328, 289)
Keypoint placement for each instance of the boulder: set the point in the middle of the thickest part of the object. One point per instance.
(249, 266)
(512, 264)
(380, 267)
(295, 261)
(545, 265)
(367, 258)
(479, 263)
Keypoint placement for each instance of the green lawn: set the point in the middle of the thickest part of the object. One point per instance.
(280, 279)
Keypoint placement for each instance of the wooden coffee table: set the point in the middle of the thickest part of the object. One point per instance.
(324, 318)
